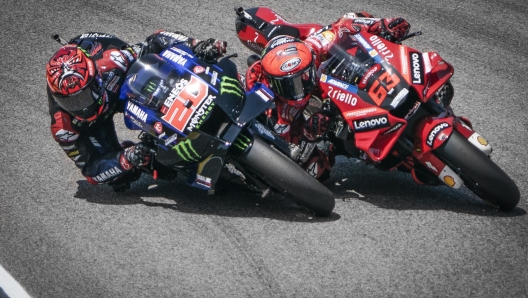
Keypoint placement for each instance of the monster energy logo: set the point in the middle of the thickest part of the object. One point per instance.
(242, 142)
(186, 151)
(230, 85)
(151, 86)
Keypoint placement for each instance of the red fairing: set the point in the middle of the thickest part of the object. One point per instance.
(432, 132)
(255, 40)
(273, 18)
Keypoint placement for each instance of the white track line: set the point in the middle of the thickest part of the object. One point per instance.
(10, 286)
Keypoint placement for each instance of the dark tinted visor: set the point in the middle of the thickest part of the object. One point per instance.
(80, 104)
(294, 87)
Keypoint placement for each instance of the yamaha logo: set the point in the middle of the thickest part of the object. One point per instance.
(290, 64)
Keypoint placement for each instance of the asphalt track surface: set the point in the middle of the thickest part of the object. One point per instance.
(387, 237)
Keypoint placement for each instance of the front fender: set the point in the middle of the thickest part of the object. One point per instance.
(432, 132)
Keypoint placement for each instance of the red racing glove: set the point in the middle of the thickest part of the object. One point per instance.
(316, 126)
(393, 29)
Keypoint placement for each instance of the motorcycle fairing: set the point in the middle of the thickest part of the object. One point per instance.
(256, 26)
(426, 72)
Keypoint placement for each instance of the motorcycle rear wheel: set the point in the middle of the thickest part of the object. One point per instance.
(480, 174)
(288, 178)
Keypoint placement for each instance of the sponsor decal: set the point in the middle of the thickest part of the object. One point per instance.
(66, 135)
(158, 127)
(176, 36)
(231, 86)
(399, 97)
(113, 172)
(214, 76)
(242, 142)
(450, 181)
(202, 112)
(328, 35)
(178, 87)
(186, 151)
(204, 181)
(281, 128)
(378, 44)
(393, 129)
(412, 110)
(136, 111)
(264, 95)
(95, 35)
(368, 75)
(434, 132)
(361, 112)
(482, 141)
(403, 61)
(371, 123)
(176, 58)
(280, 41)
(290, 65)
(338, 83)
(171, 139)
(111, 85)
(343, 96)
(118, 59)
(430, 166)
(417, 66)
(198, 69)
(364, 21)
(263, 130)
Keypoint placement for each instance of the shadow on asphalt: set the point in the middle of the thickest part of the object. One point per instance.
(234, 200)
(354, 180)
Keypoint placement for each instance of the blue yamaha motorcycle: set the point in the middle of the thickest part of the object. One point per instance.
(198, 120)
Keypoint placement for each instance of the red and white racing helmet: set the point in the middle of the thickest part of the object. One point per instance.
(289, 67)
(71, 77)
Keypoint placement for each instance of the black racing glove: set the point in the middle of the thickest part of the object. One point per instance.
(210, 49)
(136, 156)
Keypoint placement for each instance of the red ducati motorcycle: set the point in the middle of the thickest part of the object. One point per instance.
(390, 107)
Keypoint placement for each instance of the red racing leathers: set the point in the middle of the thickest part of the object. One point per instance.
(288, 118)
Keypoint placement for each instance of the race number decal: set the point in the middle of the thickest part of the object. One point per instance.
(186, 103)
(380, 87)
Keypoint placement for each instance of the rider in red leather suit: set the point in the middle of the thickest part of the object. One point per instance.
(288, 66)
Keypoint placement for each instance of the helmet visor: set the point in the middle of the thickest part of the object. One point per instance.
(81, 104)
(295, 87)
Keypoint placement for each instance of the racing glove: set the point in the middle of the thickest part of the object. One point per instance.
(135, 156)
(393, 29)
(210, 49)
(315, 126)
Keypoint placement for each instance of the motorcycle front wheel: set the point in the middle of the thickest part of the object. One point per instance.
(287, 177)
(480, 174)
